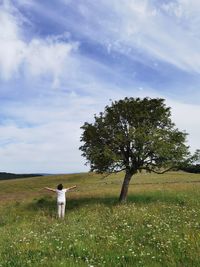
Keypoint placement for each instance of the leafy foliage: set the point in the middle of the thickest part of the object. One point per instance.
(134, 134)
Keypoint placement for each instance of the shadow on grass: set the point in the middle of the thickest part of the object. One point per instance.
(49, 203)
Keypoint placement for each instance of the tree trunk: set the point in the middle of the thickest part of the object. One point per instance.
(124, 190)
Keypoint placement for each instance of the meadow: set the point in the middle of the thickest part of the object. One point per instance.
(158, 226)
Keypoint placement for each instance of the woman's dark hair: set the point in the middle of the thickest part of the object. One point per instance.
(60, 187)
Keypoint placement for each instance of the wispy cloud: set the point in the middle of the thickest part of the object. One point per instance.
(150, 39)
(148, 26)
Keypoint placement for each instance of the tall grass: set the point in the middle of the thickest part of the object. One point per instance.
(159, 225)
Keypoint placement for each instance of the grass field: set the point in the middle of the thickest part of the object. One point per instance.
(159, 225)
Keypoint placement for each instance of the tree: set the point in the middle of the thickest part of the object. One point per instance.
(132, 135)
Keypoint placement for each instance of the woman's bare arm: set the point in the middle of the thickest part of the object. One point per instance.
(50, 189)
(69, 188)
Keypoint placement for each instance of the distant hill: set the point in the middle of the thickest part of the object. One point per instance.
(7, 176)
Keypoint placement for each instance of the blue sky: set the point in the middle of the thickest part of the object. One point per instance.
(61, 61)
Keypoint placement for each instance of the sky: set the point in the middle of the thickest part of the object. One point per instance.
(62, 61)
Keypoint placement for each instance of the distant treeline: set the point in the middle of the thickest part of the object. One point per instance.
(7, 176)
(195, 168)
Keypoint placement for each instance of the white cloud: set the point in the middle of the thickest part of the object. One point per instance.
(182, 8)
(11, 47)
(141, 26)
(140, 29)
(47, 148)
(36, 57)
(176, 46)
(45, 136)
(186, 117)
(50, 143)
(48, 57)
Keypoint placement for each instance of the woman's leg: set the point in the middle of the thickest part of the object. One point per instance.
(59, 210)
(63, 210)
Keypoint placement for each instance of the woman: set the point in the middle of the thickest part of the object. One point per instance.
(61, 198)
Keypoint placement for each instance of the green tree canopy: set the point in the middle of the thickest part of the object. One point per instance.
(133, 134)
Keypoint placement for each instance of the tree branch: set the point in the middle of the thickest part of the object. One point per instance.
(111, 172)
(152, 170)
